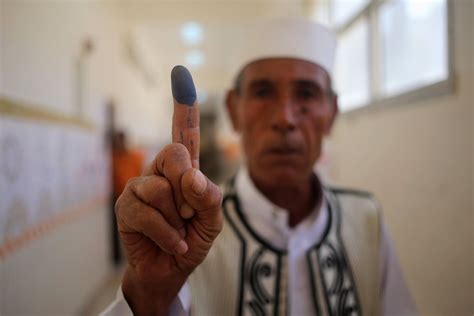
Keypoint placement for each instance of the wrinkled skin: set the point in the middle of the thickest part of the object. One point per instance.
(283, 110)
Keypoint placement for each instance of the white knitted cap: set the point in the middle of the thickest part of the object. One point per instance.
(291, 38)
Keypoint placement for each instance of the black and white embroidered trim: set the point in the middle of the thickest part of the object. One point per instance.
(260, 266)
(332, 281)
(329, 258)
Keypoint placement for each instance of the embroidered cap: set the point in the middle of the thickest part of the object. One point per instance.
(297, 38)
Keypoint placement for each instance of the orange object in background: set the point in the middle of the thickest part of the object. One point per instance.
(126, 163)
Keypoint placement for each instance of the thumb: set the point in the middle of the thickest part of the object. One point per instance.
(204, 197)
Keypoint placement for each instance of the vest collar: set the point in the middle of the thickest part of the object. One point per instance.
(271, 222)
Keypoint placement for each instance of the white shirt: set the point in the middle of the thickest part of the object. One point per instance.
(271, 222)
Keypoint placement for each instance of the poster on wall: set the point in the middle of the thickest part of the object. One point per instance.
(46, 170)
(14, 170)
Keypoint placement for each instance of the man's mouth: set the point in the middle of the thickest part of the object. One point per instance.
(284, 150)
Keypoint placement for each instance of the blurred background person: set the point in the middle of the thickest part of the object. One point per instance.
(127, 163)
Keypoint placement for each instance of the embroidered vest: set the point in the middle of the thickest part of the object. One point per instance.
(244, 275)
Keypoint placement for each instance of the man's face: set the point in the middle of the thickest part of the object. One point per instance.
(283, 111)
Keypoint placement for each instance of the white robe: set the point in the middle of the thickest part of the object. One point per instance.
(271, 223)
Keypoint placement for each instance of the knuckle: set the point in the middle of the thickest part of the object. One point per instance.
(121, 202)
(175, 151)
(137, 187)
(132, 184)
(162, 187)
(118, 205)
(160, 193)
(126, 210)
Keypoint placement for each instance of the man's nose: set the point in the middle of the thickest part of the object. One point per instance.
(284, 119)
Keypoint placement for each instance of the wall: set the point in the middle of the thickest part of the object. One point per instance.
(417, 159)
(58, 273)
(41, 45)
(53, 262)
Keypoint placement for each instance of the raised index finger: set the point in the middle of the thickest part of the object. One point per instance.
(185, 128)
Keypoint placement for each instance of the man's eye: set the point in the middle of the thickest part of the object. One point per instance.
(307, 94)
(262, 92)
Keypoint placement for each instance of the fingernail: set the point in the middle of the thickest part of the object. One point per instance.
(182, 86)
(182, 232)
(186, 211)
(199, 182)
(181, 248)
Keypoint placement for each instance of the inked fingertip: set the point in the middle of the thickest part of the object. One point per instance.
(182, 85)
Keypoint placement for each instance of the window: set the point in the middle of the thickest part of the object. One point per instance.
(389, 50)
(352, 68)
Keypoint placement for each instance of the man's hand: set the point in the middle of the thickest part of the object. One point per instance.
(168, 217)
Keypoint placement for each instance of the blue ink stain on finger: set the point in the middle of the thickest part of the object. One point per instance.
(182, 85)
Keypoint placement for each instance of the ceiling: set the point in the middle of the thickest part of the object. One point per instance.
(157, 45)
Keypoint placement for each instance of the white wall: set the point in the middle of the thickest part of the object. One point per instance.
(417, 159)
(59, 272)
(56, 269)
(41, 44)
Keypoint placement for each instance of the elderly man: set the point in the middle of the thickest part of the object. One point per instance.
(280, 242)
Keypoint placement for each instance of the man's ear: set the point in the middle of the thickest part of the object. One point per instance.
(231, 105)
(334, 112)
